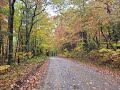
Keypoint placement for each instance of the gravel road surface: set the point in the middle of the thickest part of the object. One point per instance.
(64, 74)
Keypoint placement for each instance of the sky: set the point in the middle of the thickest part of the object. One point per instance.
(51, 11)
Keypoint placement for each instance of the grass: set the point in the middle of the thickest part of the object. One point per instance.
(37, 59)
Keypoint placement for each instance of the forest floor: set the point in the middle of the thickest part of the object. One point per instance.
(23, 76)
(67, 74)
(59, 74)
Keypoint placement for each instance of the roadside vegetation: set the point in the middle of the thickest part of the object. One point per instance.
(90, 30)
(9, 75)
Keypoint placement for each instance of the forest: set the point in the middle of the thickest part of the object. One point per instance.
(90, 30)
(79, 27)
(25, 29)
(86, 30)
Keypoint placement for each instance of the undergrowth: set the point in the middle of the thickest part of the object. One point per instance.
(9, 74)
(104, 57)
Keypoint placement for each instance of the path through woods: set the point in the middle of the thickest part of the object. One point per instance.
(65, 74)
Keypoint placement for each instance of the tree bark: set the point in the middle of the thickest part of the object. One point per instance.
(0, 36)
(10, 26)
(84, 36)
(96, 40)
(27, 32)
(108, 42)
(19, 39)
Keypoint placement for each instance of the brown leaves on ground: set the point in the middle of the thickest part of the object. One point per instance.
(25, 77)
(32, 79)
(104, 69)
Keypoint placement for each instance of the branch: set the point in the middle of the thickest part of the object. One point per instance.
(38, 20)
(40, 12)
(34, 23)
(34, 13)
(24, 2)
(33, 16)
(32, 6)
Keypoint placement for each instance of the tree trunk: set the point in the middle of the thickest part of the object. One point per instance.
(96, 40)
(108, 42)
(2, 52)
(27, 32)
(0, 36)
(10, 25)
(1, 60)
(19, 39)
(84, 36)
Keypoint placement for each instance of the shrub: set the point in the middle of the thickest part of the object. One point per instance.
(91, 46)
(104, 50)
(4, 67)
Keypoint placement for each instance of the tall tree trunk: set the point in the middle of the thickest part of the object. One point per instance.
(27, 32)
(0, 36)
(19, 39)
(10, 25)
(1, 60)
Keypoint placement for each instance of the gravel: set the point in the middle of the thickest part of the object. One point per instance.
(64, 74)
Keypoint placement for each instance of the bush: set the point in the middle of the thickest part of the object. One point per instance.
(4, 69)
(91, 46)
(104, 50)
(106, 57)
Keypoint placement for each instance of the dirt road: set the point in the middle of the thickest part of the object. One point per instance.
(65, 74)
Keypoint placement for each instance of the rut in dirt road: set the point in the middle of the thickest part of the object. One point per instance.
(64, 74)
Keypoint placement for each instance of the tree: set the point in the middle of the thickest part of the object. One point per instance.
(31, 9)
(94, 27)
(10, 25)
